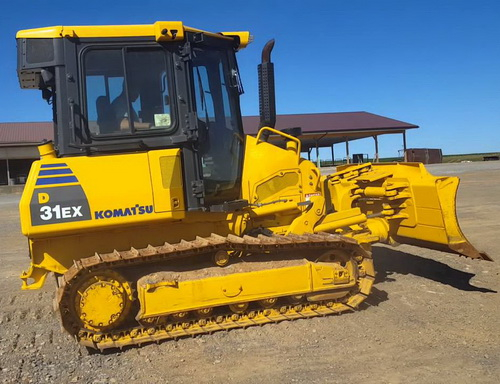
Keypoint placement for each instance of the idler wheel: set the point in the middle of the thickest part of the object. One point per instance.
(103, 301)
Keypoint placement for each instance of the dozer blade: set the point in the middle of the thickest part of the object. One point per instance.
(430, 224)
(458, 243)
(404, 203)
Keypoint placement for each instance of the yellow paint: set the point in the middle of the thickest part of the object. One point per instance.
(91, 308)
(106, 183)
(43, 198)
(166, 180)
(244, 36)
(175, 31)
(336, 220)
(47, 151)
(416, 206)
(171, 296)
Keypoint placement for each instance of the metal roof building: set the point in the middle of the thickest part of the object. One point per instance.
(321, 130)
(19, 141)
(18, 149)
(15, 134)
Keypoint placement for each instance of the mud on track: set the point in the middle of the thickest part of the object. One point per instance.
(432, 317)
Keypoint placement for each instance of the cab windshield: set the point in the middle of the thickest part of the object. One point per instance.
(127, 91)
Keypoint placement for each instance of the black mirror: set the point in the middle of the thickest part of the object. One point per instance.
(46, 94)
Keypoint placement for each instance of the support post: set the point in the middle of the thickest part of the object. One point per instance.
(404, 146)
(309, 154)
(8, 171)
(348, 160)
(376, 159)
(333, 156)
(318, 162)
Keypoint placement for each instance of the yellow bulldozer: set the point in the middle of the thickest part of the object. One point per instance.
(159, 218)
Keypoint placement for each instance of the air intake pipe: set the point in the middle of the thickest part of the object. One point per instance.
(267, 99)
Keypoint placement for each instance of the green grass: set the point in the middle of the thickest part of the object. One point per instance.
(446, 158)
(467, 157)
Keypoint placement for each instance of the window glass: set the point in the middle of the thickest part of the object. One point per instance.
(204, 100)
(115, 86)
(221, 136)
(127, 91)
(225, 95)
(95, 87)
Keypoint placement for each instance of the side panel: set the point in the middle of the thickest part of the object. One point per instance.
(263, 162)
(72, 195)
(281, 188)
(166, 179)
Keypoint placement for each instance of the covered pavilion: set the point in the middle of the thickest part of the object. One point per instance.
(19, 141)
(324, 130)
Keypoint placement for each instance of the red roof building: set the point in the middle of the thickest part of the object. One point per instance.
(320, 130)
(25, 133)
(18, 141)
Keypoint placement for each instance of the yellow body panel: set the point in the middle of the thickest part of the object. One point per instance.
(174, 31)
(113, 199)
(164, 294)
(279, 189)
(166, 180)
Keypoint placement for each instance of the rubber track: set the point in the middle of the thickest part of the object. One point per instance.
(142, 334)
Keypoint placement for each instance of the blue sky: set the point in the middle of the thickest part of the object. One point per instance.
(430, 63)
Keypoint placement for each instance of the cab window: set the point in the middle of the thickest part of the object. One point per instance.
(219, 125)
(127, 91)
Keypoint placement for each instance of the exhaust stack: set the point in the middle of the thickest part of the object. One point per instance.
(267, 99)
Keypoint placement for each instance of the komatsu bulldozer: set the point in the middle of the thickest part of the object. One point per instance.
(159, 218)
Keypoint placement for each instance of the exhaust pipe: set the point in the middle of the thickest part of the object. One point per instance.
(267, 99)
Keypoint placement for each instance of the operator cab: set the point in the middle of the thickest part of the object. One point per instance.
(118, 89)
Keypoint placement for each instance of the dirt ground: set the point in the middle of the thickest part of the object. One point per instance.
(433, 317)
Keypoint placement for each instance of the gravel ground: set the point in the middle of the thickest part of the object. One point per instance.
(432, 317)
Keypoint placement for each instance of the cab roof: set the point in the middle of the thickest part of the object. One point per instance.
(163, 31)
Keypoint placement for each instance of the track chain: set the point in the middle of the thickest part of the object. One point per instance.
(202, 245)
